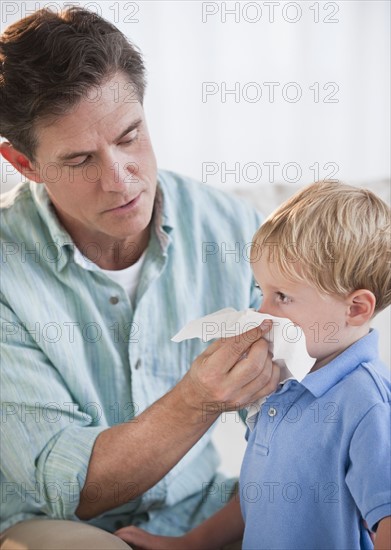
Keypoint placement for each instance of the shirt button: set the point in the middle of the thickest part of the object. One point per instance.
(114, 300)
(272, 411)
(138, 364)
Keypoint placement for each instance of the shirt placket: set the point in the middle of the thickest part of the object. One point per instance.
(272, 412)
(140, 357)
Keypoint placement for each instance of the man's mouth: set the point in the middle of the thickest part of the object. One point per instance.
(125, 206)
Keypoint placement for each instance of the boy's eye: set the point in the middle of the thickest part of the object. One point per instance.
(259, 288)
(283, 298)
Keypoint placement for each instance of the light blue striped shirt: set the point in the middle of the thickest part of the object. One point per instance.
(77, 357)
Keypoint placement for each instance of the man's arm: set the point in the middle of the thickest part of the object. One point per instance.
(224, 527)
(130, 458)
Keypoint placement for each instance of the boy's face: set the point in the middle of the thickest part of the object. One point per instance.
(321, 317)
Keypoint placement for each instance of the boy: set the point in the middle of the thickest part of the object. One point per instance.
(317, 464)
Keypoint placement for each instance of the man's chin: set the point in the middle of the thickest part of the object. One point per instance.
(126, 233)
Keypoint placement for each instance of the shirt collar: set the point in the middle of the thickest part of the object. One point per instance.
(163, 219)
(364, 350)
(60, 238)
(165, 203)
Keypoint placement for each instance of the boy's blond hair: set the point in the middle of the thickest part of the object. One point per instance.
(333, 235)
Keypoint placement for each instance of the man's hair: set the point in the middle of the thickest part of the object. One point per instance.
(49, 61)
(334, 236)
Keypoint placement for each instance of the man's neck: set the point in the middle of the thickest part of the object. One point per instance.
(106, 251)
(118, 254)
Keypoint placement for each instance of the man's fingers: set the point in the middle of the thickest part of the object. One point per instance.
(228, 351)
(253, 380)
(255, 390)
(136, 536)
(265, 390)
(220, 373)
(141, 539)
(256, 364)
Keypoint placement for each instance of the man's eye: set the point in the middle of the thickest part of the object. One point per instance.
(80, 163)
(132, 137)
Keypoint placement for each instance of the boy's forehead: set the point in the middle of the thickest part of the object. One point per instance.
(267, 270)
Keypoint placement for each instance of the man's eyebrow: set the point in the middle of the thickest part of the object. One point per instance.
(130, 128)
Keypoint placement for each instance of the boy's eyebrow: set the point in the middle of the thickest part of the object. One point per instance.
(68, 156)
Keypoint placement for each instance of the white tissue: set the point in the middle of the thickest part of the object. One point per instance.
(286, 340)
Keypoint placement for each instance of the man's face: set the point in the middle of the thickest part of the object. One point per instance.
(322, 317)
(99, 168)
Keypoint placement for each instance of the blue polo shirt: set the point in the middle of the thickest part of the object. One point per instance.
(318, 458)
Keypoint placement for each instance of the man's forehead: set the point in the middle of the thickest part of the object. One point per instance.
(78, 149)
(106, 114)
(63, 138)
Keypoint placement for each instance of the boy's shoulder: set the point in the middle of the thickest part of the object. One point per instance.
(354, 382)
(371, 382)
(367, 388)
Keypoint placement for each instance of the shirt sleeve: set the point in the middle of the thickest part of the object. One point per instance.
(369, 472)
(46, 439)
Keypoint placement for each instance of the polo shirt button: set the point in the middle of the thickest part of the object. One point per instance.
(114, 300)
(138, 364)
(272, 411)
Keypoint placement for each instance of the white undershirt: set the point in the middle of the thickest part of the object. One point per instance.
(128, 278)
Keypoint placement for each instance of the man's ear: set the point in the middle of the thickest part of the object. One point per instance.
(361, 305)
(20, 162)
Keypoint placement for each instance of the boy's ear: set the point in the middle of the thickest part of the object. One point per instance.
(20, 162)
(361, 305)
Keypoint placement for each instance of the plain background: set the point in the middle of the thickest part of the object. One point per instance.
(251, 94)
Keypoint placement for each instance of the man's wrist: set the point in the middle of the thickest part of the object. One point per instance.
(199, 408)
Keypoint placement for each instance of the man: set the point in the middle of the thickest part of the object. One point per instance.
(103, 260)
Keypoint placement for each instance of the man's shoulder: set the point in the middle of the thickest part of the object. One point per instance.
(15, 194)
(186, 192)
(16, 205)
(21, 226)
(17, 211)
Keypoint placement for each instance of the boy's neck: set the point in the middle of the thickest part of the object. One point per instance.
(354, 336)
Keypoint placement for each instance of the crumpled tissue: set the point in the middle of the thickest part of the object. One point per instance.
(286, 340)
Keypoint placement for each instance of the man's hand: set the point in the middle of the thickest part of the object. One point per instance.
(140, 539)
(223, 528)
(135, 455)
(232, 372)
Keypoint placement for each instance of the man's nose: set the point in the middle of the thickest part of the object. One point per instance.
(119, 176)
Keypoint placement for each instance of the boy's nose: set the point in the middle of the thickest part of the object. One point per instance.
(265, 307)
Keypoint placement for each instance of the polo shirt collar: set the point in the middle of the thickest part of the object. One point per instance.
(322, 380)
